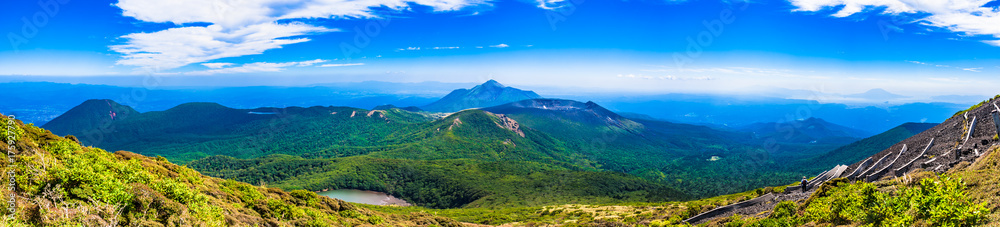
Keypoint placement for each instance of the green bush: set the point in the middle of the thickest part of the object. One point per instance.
(784, 209)
(943, 202)
(940, 201)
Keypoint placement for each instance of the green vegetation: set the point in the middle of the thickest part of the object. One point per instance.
(980, 104)
(444, 183)
(933, 201)
(61, 183)
(466, 159)
(964, 196)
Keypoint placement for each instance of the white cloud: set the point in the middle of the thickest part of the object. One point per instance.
(445, 48)
(500, 45)
(341, 65)
(551, 4)
(978, 69)
(312, 62)
(182, 46)
(254, 67)
(216, 65)
(967, 17)
(240, 27)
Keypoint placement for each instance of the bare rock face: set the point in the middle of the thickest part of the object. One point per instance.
(509, 124)
(381, 113)
(962, 138)
(456, 122)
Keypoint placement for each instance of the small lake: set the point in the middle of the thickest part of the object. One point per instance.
(366, 197)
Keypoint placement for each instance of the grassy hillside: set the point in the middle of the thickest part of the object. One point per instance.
(59, 182)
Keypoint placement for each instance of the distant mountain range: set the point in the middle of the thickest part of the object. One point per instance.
(877, 94)
(804, 131)
(488, 94)
(39, 102)
(737, 111)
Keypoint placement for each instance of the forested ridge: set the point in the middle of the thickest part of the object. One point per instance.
(506, 155)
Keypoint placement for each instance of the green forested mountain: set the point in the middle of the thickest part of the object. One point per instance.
(468, 159)
(473, 150)
(806, 130)
(195, 130)
(58, 182)
(529, 153)
(488, 94)
(86, 120)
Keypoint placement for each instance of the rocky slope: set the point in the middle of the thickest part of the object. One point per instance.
(963, 140)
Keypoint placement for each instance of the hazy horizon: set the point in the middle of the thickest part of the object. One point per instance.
(655, 47)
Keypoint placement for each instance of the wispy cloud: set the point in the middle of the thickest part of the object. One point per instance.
(551, 4)
(312, 62)
(667, 77)
(216, 65)
(973, 69)
(240, 28)
(967, 17)
(342, 65)
(429, 48)
(925, 63)
(978, 69)
(500, 46)
(252, 67)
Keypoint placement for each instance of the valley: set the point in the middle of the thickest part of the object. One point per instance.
(533, 152)
(530, 152)
(539, 160)
(507, 113)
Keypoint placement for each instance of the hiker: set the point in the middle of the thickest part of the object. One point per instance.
(804, 182)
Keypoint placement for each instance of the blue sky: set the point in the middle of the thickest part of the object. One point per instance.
(909, 47)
